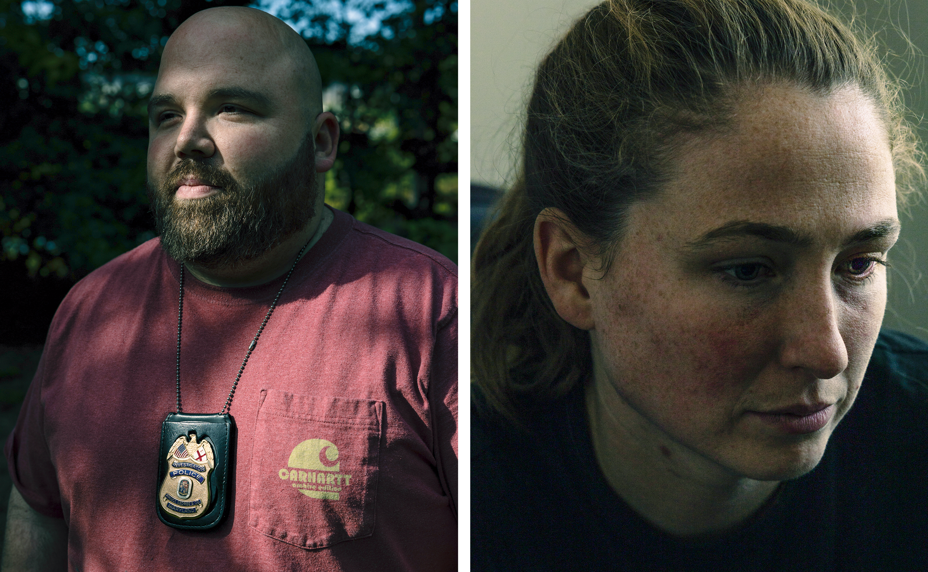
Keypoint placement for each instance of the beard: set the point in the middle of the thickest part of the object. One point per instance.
(241, 221)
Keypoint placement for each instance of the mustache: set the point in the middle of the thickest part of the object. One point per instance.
(205, 173)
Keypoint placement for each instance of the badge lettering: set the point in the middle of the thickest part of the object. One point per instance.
(185, 491)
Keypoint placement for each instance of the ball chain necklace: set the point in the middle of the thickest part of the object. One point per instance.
(195, 451)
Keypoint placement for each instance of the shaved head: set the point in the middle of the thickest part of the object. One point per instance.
(254, 39)
(237, 139)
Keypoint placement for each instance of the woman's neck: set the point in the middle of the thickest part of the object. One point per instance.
(670, 486)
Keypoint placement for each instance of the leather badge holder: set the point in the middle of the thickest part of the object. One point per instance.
(193, 469)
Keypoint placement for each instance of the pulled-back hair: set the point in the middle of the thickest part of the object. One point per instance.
(609, 104)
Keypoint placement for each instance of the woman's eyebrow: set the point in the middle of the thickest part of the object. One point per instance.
(786, 235)
(742, 228)
(885, 228)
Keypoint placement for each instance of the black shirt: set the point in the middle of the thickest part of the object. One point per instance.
(540, 501)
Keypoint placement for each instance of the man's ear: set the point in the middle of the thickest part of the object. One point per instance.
(325, 133)
(562, 263)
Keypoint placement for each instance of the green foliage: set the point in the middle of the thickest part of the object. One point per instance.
(73, 133)
(396, 97)
(73, 130)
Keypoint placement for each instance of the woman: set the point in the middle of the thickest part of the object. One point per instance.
(681, 299)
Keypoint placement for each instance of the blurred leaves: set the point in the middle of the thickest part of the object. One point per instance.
(395, 94)
(73, 132)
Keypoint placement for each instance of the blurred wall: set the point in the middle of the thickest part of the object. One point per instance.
(509, 37)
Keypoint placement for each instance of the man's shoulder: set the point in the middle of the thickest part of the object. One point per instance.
(140, 258)
(390, 249)
(119, 274)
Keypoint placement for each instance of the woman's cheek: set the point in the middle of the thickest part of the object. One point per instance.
(731, 358)
(690, 361)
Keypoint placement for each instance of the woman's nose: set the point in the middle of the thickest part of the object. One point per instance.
(812, 331)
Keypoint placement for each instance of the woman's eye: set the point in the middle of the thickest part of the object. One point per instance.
(859, 266)
(862, 266)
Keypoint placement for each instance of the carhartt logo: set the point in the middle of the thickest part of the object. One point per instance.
(314, 470)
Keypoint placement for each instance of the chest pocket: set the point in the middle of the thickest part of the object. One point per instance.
(314, 468)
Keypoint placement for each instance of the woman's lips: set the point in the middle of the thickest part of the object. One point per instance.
(797, 420)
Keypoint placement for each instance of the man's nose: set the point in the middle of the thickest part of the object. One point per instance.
(812, 330)
(194, 140)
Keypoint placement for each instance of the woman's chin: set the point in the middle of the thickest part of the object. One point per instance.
(783, 465)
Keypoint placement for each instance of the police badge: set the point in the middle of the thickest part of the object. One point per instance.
(185, 490)
(193, 469)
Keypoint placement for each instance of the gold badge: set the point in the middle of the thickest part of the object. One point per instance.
(185, 489)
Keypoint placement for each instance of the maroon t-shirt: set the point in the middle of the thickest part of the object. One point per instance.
(346, 415)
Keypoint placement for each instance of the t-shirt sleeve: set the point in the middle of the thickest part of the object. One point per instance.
(443, 396)
(28, 456)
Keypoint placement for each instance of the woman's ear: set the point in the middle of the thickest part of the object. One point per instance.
(562, 265)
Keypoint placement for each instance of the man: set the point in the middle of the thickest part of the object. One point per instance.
(308, 361)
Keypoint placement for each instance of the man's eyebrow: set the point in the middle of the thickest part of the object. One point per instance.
(786, 235)
(160, 100)
(238, 93)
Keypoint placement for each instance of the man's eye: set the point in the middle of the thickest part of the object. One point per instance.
(745, 272)
(164, 117)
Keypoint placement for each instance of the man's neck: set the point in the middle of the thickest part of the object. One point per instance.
(271, 265)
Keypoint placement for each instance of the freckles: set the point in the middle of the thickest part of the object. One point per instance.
(731, 350)
(715, 361)
(667, 346)
(721, 361)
